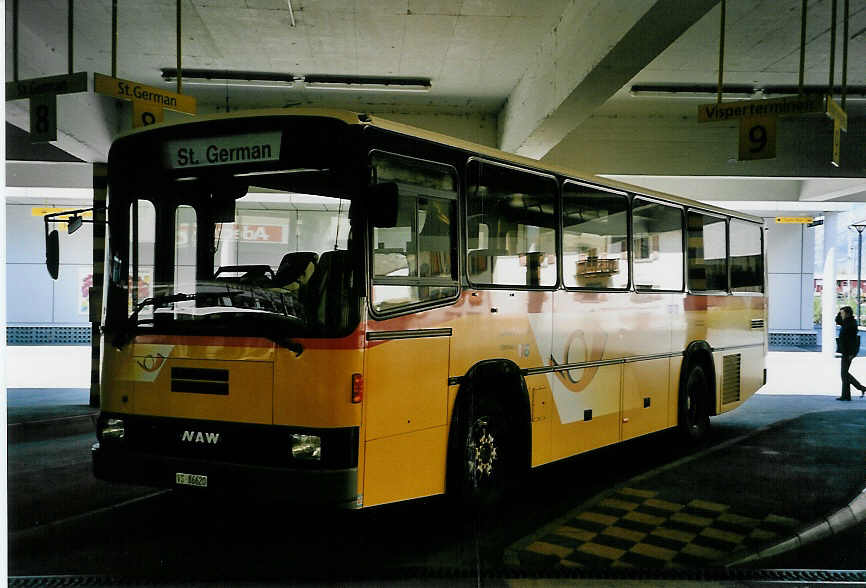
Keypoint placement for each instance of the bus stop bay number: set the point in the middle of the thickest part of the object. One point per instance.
(757, 138)
(145, 113)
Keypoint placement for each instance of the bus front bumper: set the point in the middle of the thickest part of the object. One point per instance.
(336, 488)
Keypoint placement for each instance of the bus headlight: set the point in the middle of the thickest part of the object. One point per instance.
(113, 429)
(306, 447)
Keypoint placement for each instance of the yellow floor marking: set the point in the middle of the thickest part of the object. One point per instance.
(762, 535)
(545, 548)
(597, 517)
(674, 534)
(621, 564)
(702, 552)
(723, 535)
(691, 519)
(644, 518)
(704, 505)
(620, 504)
(601, 550)
(573, 533)
(570, 564)
(626, 534)
(636, 492)
(779, 520)
(663, 504)
(654, 551)
(736, 519)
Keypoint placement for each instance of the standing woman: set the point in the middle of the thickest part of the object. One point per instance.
(849, 345)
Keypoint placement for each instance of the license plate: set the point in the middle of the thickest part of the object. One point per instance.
(191, 480)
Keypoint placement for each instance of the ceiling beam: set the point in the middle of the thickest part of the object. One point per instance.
(822, 189)
(594, 51)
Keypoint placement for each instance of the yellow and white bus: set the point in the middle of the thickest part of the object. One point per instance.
(339, 309)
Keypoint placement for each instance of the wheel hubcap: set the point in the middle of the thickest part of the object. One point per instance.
(481, 451)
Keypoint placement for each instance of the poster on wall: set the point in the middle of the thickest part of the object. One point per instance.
(85, 281)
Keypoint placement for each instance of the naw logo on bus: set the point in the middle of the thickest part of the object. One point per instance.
(200, 437)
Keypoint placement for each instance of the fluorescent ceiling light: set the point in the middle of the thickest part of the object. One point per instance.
(260, 79)
(372, 83)
(736, 91)
(224, 83)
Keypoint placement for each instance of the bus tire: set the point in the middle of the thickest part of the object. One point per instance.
(482, 459)
(694, 409)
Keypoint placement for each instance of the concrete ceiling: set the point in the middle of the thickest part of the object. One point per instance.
(550, 79)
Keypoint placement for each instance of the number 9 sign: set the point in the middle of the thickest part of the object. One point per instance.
(145, 114)
(757, 138)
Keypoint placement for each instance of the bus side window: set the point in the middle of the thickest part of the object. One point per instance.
(594, 238)
(747, 261)
(518, 210)
(708, 263)
(657, 241)
(413, 262)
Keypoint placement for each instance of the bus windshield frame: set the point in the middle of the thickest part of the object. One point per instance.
(244, 249)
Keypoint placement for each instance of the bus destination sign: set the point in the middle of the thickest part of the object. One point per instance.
(247, 148)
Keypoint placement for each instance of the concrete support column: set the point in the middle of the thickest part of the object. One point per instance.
(100, 193)
(828, 297)
(790, 271)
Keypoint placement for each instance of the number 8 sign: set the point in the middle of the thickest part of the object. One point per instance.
(43, 118)
(757, 138)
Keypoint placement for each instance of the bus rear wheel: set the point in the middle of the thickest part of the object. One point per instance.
(482, 460)
(694, 409)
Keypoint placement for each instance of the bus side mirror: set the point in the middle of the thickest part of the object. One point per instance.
(74, 224)
(52, 253)
(382, 204)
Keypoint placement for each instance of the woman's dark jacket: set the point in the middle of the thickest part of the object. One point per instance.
(847, 336)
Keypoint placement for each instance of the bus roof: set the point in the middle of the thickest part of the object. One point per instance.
(355, 118)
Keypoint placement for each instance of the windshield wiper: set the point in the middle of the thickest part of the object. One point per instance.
(124, 335)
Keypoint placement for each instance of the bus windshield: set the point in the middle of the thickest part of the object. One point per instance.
(278, 266)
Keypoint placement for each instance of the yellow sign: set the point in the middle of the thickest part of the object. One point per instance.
(757, 138)
(145, 114)
(43, 211)
(803, 220)
(788, 105)
(837, 143)
(839, 116)
(127, 90)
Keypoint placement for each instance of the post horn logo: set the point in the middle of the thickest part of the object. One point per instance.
(151, 363)
(577, 351)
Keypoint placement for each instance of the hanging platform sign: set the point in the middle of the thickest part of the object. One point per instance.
(802, 220)
(785, 106)
(42, 93)
(144, 114)
(758, 120)
(840, 123)
(148, 102)
(51, 85)
(757, 138)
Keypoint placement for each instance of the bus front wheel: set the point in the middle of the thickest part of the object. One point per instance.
(694, 409)
(482, 459)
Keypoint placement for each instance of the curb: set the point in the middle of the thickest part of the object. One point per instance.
(44, 429)
(846, 517)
